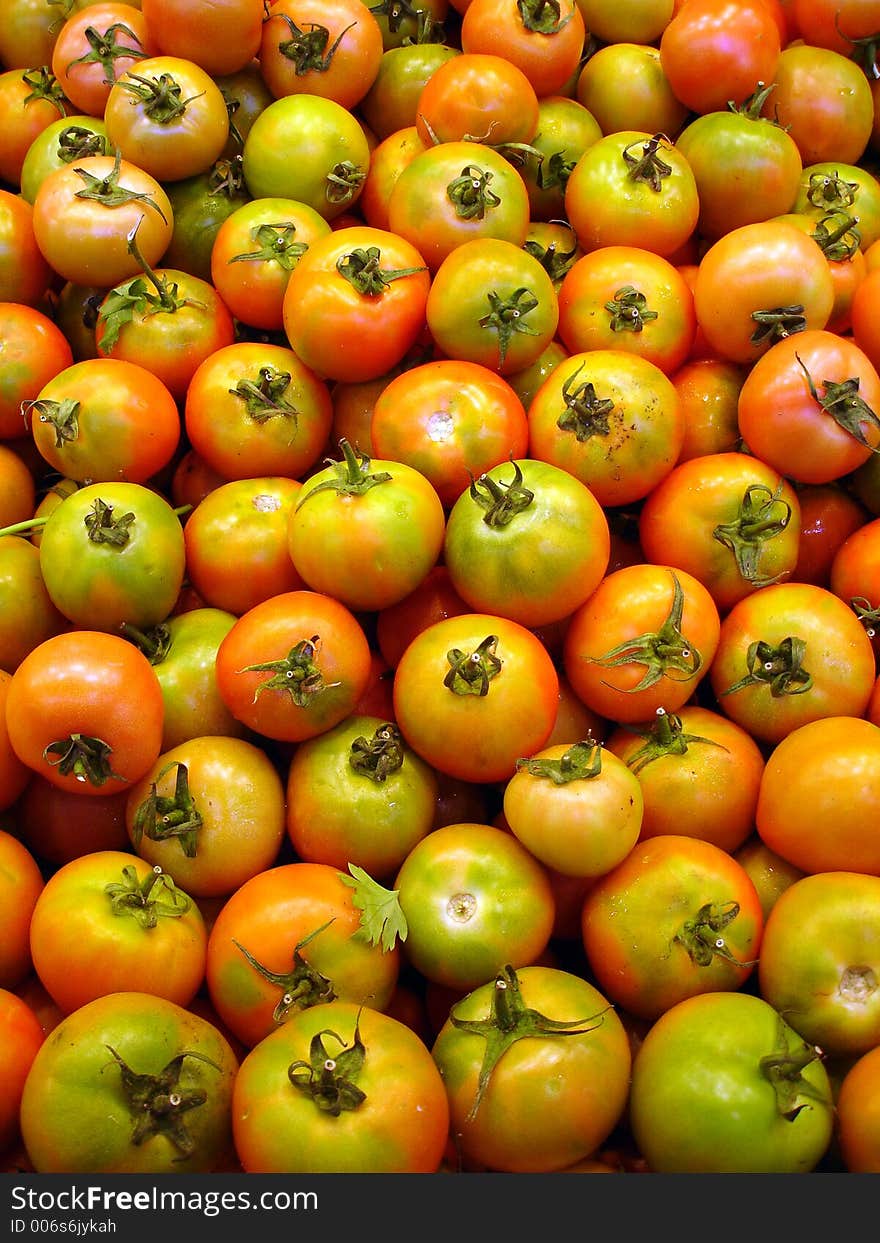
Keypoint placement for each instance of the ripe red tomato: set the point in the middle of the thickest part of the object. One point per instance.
(33, 350)
(222, 41)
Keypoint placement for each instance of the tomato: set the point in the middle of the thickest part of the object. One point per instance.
(391, 102)
(253, 253)
(222, 41)
(315, 48)
(451, 419)
(28, 614)
(29, 101)
(168, 116)
(105, 420)
(359, 504)
(760, 283)
(307, 148)
(824, 393)
(209, 812)
(254, 409)
(358, 794)
(835, 186)
(84, 215)
(645, 639)
(536, 1065)
(22, 1037)
(547, 47)
(94, 48)
(576, 807)
(454, 192)
(677, 917)
(28, 33)
(473, 693)
(168, 323)
(527, 541)
(14, 775)
(789, 654)
(719, 50)
(863, 319)
(857, 1120)
(25, 274)
(237, 553)
(728, 519)
(823, 98)
(355, 302)
(820, 761)
(479, 96)
(642, 22)
(699, 775)
(723, 1084)
(474, 898)
(853, 573)
(113, 553)
(624, 86)
(129, 1083)
(755, 153)
(65, 141)
(628, 298)
(58, 826)
(21, 883)
(632, 188)
(819, 960)
(432, 600)
(84, 710)
(201, 204)
(610, 418)
(287, 940)
(769, 872)
(565, 130)
(107, 920)
(708, 389)
(19, 488)
(340, 1089)
(293, 665)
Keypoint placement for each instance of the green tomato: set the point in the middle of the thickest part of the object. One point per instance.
(62, 142)
(721, 1084)
(129, 1084)
(200, 205)
(111, 554)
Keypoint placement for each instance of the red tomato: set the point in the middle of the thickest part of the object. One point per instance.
(21, 883)
(315, 48)
(858, 1115)
(20, 1037)
(221, 40)
(546, 47)
(477, 95)
(93, 48)
(32, 352)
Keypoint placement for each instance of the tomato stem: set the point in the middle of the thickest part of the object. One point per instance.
(301, 987)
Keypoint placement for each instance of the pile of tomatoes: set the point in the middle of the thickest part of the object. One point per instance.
(439, 586)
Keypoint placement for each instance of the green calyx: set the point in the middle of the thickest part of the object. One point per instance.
(471, 672)
(148, 899)
(664, 652)
(585, 414)
(329, 1078)
(779, 668)
(703, 938)
(666, 736)
(301, 987)
(264, 398)
(784, 1067)
(510, 1020)
(351, 477)
(380, 756)
(501, 501)
(762, 515)
(580, 762)
(161, 817)
(158, 1103)
(296, 674)
(841, 400)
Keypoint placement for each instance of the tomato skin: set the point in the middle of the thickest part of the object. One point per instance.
(21, 883)
(371, 548)
(25, 273)
(86, 241)
(651, 927)
(604, 661)
(474, 899)
(238, 800)
(346, 75)
(268, 632)
(390, 103)
(185, 28)
(549, 1102)
(338, 813)
(708, 389)
(819, 960)
(87, 83)
(27, 613)
(769, 872)
(86, 682)
(33, 350)
(621, 451)
(83, 948)
(59, 826)
(270, 915)
(341, 330)
(858, 1125)
(400, 1127)
(833, 675)
(236, 543)
(548, 58)
(700, 1058)
(821, 761)
(74, 1117)
(534, 565)
(479, 94)
(582, 827)
(728, 493)
(608, 205)
(296, 143)
(451, 419)
(625, 87)
(613, 274)
(801, 436)
(22, 1037)
(708, 789)
(103, 584)
(824, 100)
(465, 734)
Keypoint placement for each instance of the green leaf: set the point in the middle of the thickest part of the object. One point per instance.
(382, 920)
